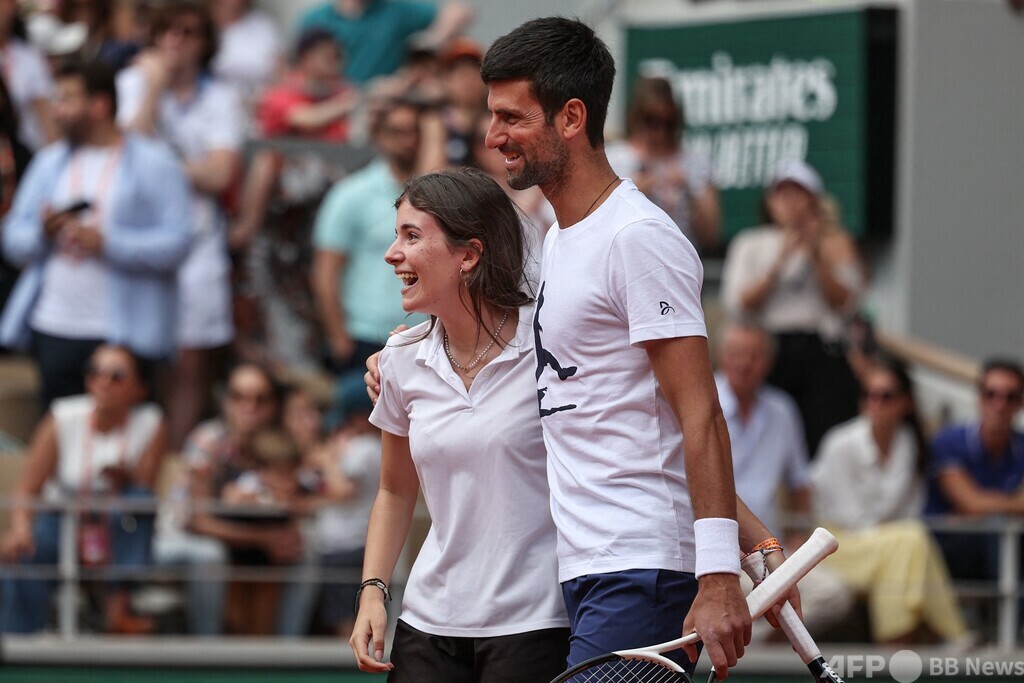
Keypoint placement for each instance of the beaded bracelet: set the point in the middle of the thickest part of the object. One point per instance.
(379, 583)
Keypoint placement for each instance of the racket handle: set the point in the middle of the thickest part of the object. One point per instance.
(789, 620)
(797, 633)
(820, 545)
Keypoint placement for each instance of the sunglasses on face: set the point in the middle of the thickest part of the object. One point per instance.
(185, 30)
(114, 375)
(1007, 396)
(259, 398)
(882, 396)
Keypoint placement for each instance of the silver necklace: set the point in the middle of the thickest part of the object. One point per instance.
(467, 368)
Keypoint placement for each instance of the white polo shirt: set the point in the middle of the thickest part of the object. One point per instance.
(488, 565)
(623, 275)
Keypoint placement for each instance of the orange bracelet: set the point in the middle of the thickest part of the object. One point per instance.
(767, 545)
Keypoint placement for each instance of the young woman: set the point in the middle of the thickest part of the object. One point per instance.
(868, 485)
(458, 410)
(107, 442)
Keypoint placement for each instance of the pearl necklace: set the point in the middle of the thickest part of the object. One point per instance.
(467, 368)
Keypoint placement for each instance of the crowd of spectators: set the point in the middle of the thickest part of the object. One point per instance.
(159, 236)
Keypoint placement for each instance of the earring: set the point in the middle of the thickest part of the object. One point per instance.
(465, 277)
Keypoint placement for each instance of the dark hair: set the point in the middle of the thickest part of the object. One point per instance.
(650, 92)
(145, 369)
(382, 109)
(101, 20)
(167, 15)
(99, 79)
(1002, 365)
(8, 112)
(563, 59)
(898, 370)
(312, 38)
(277, 389)
(468, 204)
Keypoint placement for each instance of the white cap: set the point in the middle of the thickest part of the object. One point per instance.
(799, 172)
(54, 38)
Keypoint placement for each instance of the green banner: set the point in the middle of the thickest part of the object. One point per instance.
(756, 92)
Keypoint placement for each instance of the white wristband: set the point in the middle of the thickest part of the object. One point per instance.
(718, 546)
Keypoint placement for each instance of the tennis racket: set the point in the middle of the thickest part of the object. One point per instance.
(793, 627)
(646, 665)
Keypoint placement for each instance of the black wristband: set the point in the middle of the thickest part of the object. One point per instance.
(378, 583)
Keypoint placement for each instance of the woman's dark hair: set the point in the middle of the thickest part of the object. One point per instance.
(277, 388)
(168, 15)
(100, 21)
(468, 204)
(898, 370)
(562, 59)
(648, 93)
(145, 370)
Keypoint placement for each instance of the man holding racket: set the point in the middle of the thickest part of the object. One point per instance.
(623, 369)
(647, 527)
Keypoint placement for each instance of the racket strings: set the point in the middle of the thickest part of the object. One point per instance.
(628, 671)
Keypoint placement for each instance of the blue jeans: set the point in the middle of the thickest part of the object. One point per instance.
(25, 606)
(627, 609)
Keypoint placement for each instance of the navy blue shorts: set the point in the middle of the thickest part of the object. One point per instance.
(628, 609)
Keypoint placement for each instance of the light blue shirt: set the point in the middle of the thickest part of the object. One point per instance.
(357, 219)
(146, 237)
(768, 449)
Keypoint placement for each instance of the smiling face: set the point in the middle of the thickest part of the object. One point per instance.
(534, 152)
(427, 264)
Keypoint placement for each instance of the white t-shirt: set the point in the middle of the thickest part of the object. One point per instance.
(855, 489)
(248, 51)
(621, 276)
(488, 565)
(342, 526)
(28, 79)
(74, 301)
(796, 303)
(768, 449)
(84, 452)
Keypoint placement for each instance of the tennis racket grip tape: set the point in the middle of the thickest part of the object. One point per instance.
(789, 620)
(820, 545)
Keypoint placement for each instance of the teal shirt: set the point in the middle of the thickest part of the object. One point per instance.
(374, 42)
(357, 219)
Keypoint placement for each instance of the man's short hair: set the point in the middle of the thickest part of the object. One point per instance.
(1003, 365)
(99, 79)
(562, 59)
(170, 12)
(380, 110)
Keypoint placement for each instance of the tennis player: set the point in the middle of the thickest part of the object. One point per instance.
(647, 522)
(647, 528)
(459, 417)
